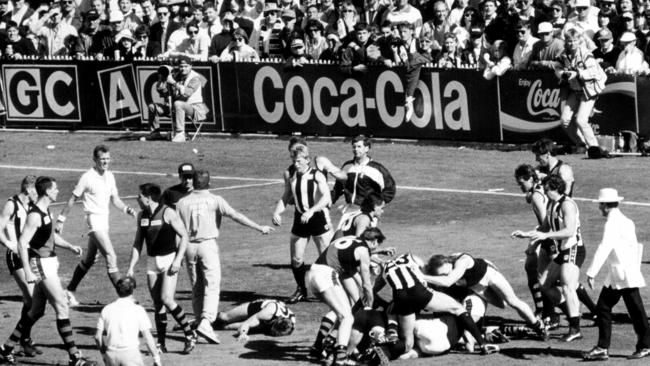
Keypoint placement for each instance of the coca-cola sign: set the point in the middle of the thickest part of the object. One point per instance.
(541, 101)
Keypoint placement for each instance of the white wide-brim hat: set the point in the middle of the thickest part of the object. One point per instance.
(608, 195)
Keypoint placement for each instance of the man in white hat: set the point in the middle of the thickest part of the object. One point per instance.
(631, 60)
(547, 51)
(621, 248)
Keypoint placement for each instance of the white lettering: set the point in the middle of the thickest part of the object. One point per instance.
(460, 105)
(385, 78)
(58, 76)
(542, 101)
(422, 121)
(324, 83)
(301, 84)
(354, 101)
(127, 100)
(437, 101)
(267, 72)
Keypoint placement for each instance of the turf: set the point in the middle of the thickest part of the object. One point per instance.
(419, 220)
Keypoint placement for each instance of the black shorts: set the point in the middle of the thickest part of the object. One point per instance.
(316, 226)
(365, 320)
(550, 246)
(254, 307)
(576, 255)
(412, 300)
(13, 261)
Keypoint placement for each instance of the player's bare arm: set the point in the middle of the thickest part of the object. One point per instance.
(170, 216)
(136, 249)
(241, 219)
(363, 256)
(32, 224)
(117, 202)
(460, 266)
(60, 220)
(9, 240)
(60, 242)
(283, 202)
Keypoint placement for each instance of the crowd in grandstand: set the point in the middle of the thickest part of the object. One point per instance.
(491, 35)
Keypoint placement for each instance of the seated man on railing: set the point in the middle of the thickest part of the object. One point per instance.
(238, 49)
(183, 89)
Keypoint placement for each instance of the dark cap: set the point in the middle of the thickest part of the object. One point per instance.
(201, 179)
(185, 169)
(90, 15)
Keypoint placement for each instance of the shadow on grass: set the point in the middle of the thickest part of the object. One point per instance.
(522, 353)
(89, 308)
(273, 265)
(128, 136)
(266, 349)
(11, 298)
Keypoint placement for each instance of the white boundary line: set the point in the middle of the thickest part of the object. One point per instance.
(267, 181)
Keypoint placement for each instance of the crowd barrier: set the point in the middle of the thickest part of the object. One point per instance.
(316, 99)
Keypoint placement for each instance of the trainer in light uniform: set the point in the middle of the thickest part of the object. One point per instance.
(483, 279)
(119, 326)
(549, 164)
(364, 177)
(411, 296)
(623, 253)
(560, 280)
(344, 258)
(174, 193)
(306, 188)
(40, 263)
(97, 189)
(158, 228)
(270, 317)
(201, 212)
(12, 221)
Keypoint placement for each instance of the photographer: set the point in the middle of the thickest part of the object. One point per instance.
(183, 88)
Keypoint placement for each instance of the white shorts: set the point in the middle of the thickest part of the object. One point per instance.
(97, 222)
(160, 263)
(320, 278)
(431, 336)
(475, 306)
(44, 268)
(483, 289)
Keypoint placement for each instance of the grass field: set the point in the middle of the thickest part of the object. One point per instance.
(448, 199)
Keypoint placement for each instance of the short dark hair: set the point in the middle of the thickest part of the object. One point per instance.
(314, 23)
(43, 184)
(555, 183)
(28, 181)
(11, 24)
(125, 286)
(361, 26)
(370, 202)
(295, 140)
(151, 190)
(610, 204)
(436, 261)
(201, 179)
(280, 326)
(367, 141)
(544, 146)
(162, 5)
(525, 172)
(373, 233)
(100, 149)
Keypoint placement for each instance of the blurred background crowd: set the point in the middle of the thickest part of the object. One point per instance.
(486, 34)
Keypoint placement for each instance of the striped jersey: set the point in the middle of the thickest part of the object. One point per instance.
(556, 171)
(304, 188)
(403, 273)
(19, 215)
(556, 219)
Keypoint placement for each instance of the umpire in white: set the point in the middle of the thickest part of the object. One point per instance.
(623, 252)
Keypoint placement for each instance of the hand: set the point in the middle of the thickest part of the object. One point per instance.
(76, 250)
(518, 234)
(486, 57)
(265, 229)
(243, 338)
(170, 80)
(390, 251)
(361, 67)
(537, 236)
(277, 220)
(29, 276)
(305, 217)
(590, 281)
(214, 59)
(129, 273)
(174, 268)
(388, 63)
(58, 228)
(130, 212)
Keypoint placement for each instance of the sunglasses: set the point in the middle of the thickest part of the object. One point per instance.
(162, 14)
(347, 11)
(193, 32)
(67, 2)
(521, 31)
(559, 10)
(239, 39)
(581, 9)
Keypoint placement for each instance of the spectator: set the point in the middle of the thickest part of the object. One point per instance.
(373, 12)
(124, 50)
(333, 51)
(93, 41)
(425, 47)
(579, 69)
(144, 48)
(315, 41)
(287, 33)
(458, 12)
(212, 24)
(608, 6)
(628, 25)
(69, 13)
(344, 25)
(355, 56)
(585, 20)
(557, 17)
(524, 46)
(265, 38)
(180, 35)
(312, 13)
(631, 60)
(496, 61)
(148, 13)
(39, 45)
(198, 15)
(238, 49)
(298, 57)
(5, 15)
(489, 10)
(477, 48)
(452, 55)
(606, 53)
(161, 31)
(19, 13)
(383, 41)
(100, 7)
(291, 5)
(502, 25)
(545, 53)
(328, 12)
(119, 327)
(438, 26)
(194, 46)
(19, 46)
(131, 21)
(115, 21)
(56, 33)
(605, 19)
(241, 21)
(253, 9)
(471, 21)
(220, 41)
(402, 12)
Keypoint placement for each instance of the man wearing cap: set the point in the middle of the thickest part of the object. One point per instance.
(606, 53)
(265, 38)
(289, 19)
(524, 47)
(55, 32)
(546, 53)
(92, 40)
(201, 212)
(627, 24)
(620, 248)
(174, 193)
(631, 59)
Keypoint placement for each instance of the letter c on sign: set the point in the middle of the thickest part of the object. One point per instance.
(267, 72)
(385, 78)
(58, 76)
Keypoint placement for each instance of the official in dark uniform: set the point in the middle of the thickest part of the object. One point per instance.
(174, 193)
(158, 228)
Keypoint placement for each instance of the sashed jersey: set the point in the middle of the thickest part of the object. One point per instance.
(159, 236)
(348, 227)
(556, 171)
(556, 219)
(19, 215)
(304, 188)
(473, 275)
(340, 255)
(403, 273)
(40, 246)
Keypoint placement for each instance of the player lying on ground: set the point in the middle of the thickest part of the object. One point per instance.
(270, 317)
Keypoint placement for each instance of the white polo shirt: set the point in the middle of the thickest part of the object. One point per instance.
(122, 321)
(95, 191)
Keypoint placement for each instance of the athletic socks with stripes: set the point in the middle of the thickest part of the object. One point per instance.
(23, 330)
(470, 326)
(181, 319)
(326, 325)
(65, 331)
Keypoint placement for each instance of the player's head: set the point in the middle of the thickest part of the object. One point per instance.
(373, 237)
(439, 265)
(373, 205)
(28, 188)
(526, 177)
(281, 326)
(554, 185)
(300, 156)
(543, 149)
(148, 192)
(125, 286)
(102, 157)
(201, 180)
(296, 140)
(186, 174)
(46, 186)
(360, 146)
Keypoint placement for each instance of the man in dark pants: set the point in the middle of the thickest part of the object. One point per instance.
(623, 280)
